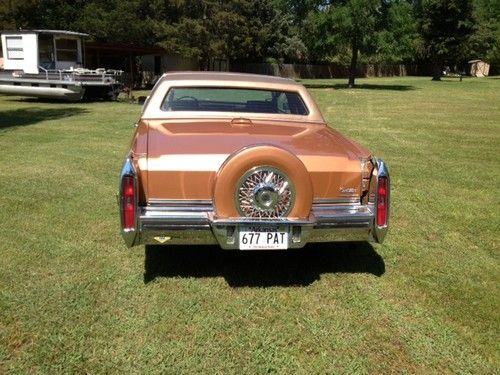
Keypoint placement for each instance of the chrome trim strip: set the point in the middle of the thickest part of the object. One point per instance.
(345, 210)
(187, 209)
(344, 216)
(179, 202)
(344, 224)
(180, 205)
(165, 217)
(174, 227)
(319, 201)
(264, 222)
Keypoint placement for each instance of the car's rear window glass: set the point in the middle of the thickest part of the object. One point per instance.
(217, 99)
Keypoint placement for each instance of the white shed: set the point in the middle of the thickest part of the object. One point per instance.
(479, 68)
(27, 50)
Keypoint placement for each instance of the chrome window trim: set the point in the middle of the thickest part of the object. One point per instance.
(235, 113)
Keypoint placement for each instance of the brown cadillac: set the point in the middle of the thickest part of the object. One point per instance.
(246, 162)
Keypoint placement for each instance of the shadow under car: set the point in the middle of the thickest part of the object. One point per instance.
(294, 267)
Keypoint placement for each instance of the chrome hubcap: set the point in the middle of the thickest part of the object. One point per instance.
(266, 197)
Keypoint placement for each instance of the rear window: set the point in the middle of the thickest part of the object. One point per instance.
(217, 99)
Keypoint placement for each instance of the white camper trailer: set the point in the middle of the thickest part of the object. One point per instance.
(50, 64)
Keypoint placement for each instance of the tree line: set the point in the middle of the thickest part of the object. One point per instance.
(348, 32)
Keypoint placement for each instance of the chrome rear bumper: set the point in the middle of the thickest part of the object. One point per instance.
(195, 224)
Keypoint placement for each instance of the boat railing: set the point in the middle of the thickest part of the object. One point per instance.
(79, 74)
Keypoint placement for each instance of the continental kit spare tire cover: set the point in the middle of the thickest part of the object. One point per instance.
(263, 182)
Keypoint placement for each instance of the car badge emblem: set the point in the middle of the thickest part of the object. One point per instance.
(162, 239)
(347, 190)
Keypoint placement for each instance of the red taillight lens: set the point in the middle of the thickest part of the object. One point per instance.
(382, 195)
(128, 203)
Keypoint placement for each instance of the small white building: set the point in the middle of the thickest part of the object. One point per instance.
(479, 68)
(27, 50)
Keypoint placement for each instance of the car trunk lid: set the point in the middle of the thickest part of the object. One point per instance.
(185, 155)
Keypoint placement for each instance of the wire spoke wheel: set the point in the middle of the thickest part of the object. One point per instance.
(265, 192)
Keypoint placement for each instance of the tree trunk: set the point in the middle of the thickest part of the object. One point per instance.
(436, 72)
(205, 62)
(354, 62)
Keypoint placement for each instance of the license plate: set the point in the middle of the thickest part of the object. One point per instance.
(261, 238)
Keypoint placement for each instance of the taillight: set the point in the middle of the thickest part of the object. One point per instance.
(128, 203)
(382, 201)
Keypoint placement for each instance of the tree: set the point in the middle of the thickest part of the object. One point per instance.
(348, 28)
(396, 38)
(341, 25)
(48, 14)
(107, 21)
(485, 40)
(343, 31)
(216, 29)
(116, 21)
(285, 42)
(446, 27)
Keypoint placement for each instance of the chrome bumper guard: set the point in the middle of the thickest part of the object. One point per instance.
(192, 225)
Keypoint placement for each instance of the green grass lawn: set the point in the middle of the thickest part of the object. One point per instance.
(74, 299)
